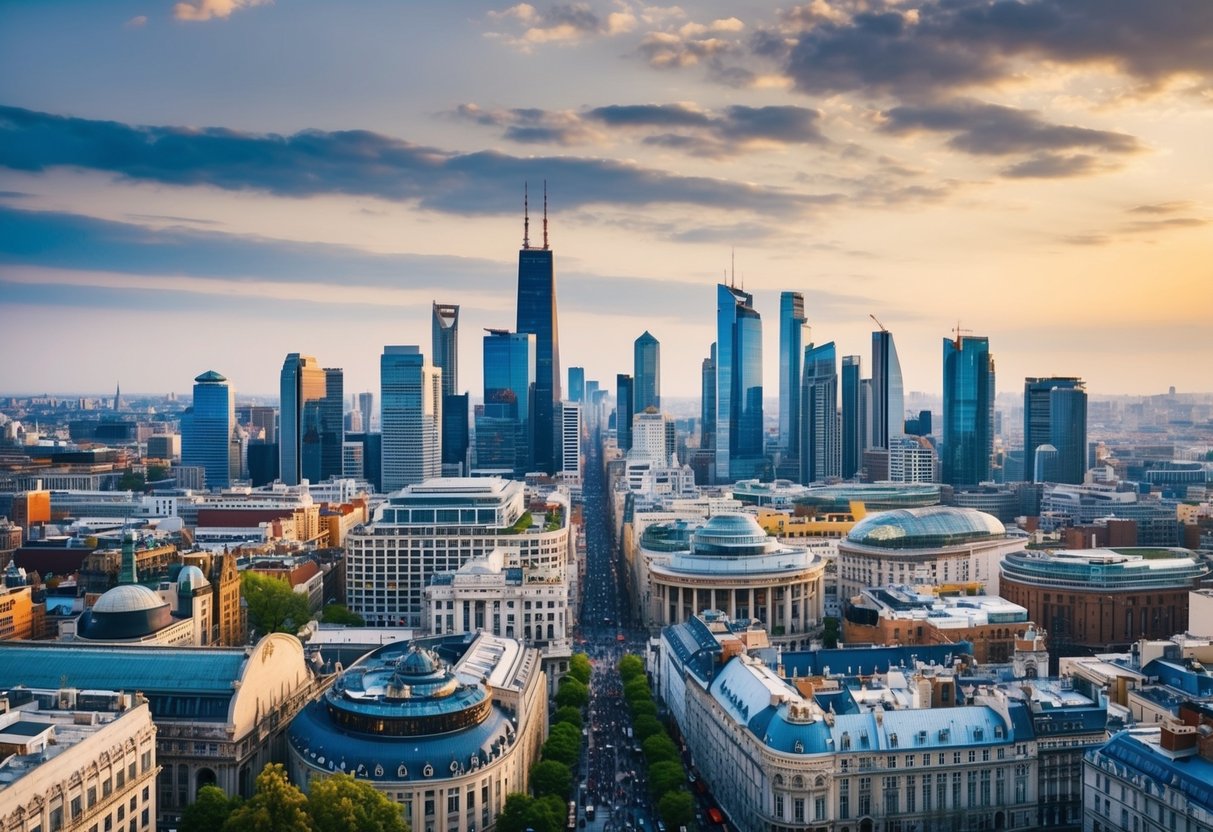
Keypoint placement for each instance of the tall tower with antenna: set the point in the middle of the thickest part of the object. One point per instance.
(537, 316)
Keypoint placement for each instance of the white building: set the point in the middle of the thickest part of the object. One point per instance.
(570, 439)
(352, 464)
(410, 408)
(913, 459)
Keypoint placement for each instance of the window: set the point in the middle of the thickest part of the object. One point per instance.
(75, 807)
(452, 802)
(798, 810)
(819, 808)
(779, 806)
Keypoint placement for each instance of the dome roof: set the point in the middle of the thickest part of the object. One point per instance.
(731, 534)
(128, 598)
(921, 528)
(210, 375)
(418, 662)
(191, 578)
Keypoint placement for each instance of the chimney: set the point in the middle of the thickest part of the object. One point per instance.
(1178, 740)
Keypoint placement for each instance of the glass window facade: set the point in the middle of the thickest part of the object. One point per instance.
(537, 315)
(968, 411)
(739, 446)
(206, 434)
(791, 348)
(646, 373)
(505, 431)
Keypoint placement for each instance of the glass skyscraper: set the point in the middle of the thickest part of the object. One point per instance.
(625, 400)
(332, 427)
(968, 411)
(819, 434)
(1055, 413)
(577, 384)
(410, 401)
(206, 434)
(445, 343)
(505, 427)
(707, 402)
(791, 351)
(888, 405)
(302, 389)
(646, 391)
(739, 446)
(852, 417)
(537, 315)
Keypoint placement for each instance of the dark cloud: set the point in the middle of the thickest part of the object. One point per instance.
(790, 125)
(1147, 226)
(947, 45)
(692, 145)
(649, 115)
(355, 162)
(14, 195)
(1054, 166)
(994, 130)
(1163, 207)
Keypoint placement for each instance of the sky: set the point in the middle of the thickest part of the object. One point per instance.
(211, 184)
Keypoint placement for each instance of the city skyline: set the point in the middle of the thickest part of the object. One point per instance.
(1030, 170)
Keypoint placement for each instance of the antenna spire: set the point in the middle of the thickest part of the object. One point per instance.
(526, 220)
(545, 215)
(733, 267)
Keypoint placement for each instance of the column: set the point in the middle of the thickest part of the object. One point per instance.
(787, 610)
(750, 605)
(694, 600)
(732, 603)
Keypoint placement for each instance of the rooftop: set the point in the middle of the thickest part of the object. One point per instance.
(928, 527)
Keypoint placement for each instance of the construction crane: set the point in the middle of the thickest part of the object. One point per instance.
(878, 323)
(957, 330)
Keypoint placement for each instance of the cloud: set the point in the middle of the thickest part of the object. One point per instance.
(1054, 166)
(1163, 207)
(984, 129)
(562, 23)
(669, 50)
(649, 115)
(1160, 221)
(531, 125)
(358, 162)
(198, 10)
(136, 22)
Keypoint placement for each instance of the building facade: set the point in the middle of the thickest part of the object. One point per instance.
(537, 316)
(852, 417)
(302, 385)
(505, 427)
(625, 400)
(968, 411)
(1055, 414)
(444, 339)
(647, 373)
(411, 417)
(888, 394)
(792, 334)
(207, 431)
(820, 446)
(738, 429)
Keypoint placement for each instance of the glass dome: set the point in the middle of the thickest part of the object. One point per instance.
(922, 528)
(731, 535)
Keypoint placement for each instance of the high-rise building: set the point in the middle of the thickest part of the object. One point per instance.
(852, 417)
(411, 405)
(456, 411)
(791, 351)
(576, 389)
(261, 421)
(302, 390)
(625, 397)
(707, 402)
(366, 406)
(1055, 413)
(646, 390)
(537, 316)
(570, 437)
(505, 426)
(351, 460)
(968, 411)
(820, 448)
(445, 339)
(332, 426)
(207, 431)
(739, 446)
(888, 404)
(912, 459)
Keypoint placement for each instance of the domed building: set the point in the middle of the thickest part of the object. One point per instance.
(130, 613)
(731, 564)
(445, 726)
(936, 545)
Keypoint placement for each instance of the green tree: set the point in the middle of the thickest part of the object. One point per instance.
(522, 812)
(130, 481)
(637, 690)
(551, 777)
(155, 473)
(665, 777)
(340, 614)
(659, 748)
(646, 726)
(562, 748)
(676, 809)
(579, 668)
(342, 803)
(208, 812)
(570, 715)
(643, 707)
(572, 694)
(277, 806)
(273, 607)
(829, 637)
(631, 666)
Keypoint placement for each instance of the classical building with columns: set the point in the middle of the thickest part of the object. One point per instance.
(731, 564)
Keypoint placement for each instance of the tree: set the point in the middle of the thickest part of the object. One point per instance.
(570, 715)
(665, 777)
(551, 777)
(277, 806)
(522, 812)
(340, 614)
(563, 744)
(208, 812)
(572, 694)
(643, 707)
(676, 809)
(630, 666)
(659, 748)
(637, 690)
(579, 668)
(829, 637)
(342, 803)
(646, 726)
(273, 607)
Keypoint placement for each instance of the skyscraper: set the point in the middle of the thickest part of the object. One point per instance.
(646, 391)
(577, 384)
(366, 406)
(707, 402)
(332, 426)
(819, 435)
(1055, 413)
(852, 417)
(302, 389)
(411, 405)
(739, 448)
(505, 428)
(888, 405)
(206, 435)
(570, 437)
(537, 316)
(625, 398)
(445, 340)
(791, 351)
(455, 434)
(968, 411)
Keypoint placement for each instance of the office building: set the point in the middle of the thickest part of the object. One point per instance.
(302, 390)
(263, 460)
(445, 345)
(447, 727)
(166, 446)
(577, 384)
(332, 427)
(352, 466)
(366, 406)
(1055, 414)
(852, 417)
(505, 426)
(820, 449)
(411, 405)
(912, 459)
(625, 392)
(570, 438)
(260, 420)
(919, 425)
(456, 434)
(207, 430)
(968, 411)
(646, 373)
(888, 396)
(371, 455)
(792, 331)
(537, 316)
(739, 438)
(707, 402)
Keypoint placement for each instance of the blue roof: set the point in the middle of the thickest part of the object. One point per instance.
(1192, 776)
(918, 528)
(105, 667)
(854, 661)
(1192, 682)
